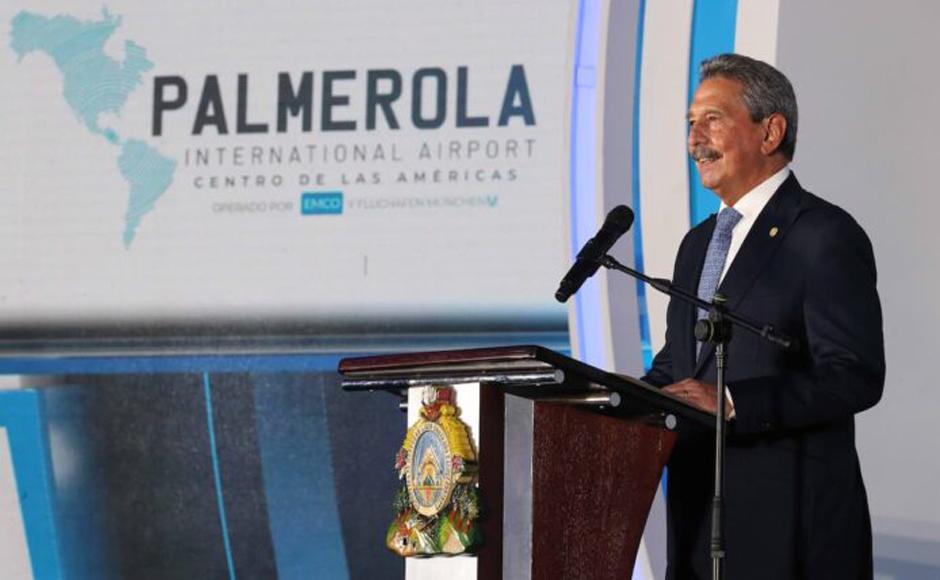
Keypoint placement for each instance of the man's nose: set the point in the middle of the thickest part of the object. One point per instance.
(696, 135)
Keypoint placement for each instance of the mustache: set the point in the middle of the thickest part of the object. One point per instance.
(703, 152)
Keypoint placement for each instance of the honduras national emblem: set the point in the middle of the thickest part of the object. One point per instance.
(438, 506)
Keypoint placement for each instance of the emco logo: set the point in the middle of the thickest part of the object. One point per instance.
(328, 202)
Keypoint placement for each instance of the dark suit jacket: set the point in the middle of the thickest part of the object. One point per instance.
(795, 503)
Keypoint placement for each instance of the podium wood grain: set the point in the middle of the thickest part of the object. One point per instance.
(594, 479)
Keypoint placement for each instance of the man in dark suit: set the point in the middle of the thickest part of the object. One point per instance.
(795, 504)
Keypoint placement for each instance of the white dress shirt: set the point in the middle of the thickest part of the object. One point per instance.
(750, 206)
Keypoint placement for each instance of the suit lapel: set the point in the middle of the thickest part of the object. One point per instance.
(758, 247)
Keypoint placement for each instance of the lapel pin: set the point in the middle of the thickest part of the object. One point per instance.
(773, 231)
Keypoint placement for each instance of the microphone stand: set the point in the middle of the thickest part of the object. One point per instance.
(716, 329)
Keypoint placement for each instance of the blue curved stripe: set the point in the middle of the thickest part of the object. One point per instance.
(645, 343)
(22, 414)
(713, 30)
(217, 476)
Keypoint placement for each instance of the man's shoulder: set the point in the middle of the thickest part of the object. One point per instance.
(823, 228)
(819, 216)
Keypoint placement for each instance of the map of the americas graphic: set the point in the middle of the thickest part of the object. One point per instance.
(94, 84)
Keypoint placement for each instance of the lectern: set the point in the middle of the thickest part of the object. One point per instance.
(569, 456)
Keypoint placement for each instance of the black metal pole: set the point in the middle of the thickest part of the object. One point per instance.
(717, 330)
(718, 532)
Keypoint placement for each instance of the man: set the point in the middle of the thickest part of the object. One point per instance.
(795, 504)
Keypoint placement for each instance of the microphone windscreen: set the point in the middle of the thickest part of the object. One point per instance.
(621, 217)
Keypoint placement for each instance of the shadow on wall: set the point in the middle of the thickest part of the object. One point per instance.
(905, 557)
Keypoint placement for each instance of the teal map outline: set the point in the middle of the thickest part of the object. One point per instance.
(94, 84)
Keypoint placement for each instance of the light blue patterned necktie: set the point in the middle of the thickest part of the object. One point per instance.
(716, 256)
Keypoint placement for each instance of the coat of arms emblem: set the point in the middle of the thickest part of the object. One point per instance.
(438, 504)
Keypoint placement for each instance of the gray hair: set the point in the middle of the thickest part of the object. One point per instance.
(765, 91)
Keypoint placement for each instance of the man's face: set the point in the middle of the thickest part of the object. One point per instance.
(723, 141)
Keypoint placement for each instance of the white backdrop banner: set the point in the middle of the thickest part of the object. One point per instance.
(324, 163)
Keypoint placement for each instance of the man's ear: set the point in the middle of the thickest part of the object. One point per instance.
(775, 127)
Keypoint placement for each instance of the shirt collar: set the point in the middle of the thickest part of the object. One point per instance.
(752, 203)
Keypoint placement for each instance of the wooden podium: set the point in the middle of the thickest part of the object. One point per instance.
(570, 456)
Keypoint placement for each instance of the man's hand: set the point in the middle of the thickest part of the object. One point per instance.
(700, 395)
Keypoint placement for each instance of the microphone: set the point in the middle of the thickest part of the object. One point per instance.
(617, 223)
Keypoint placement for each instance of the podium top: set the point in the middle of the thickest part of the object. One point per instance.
(527, 371)
(518, 357)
